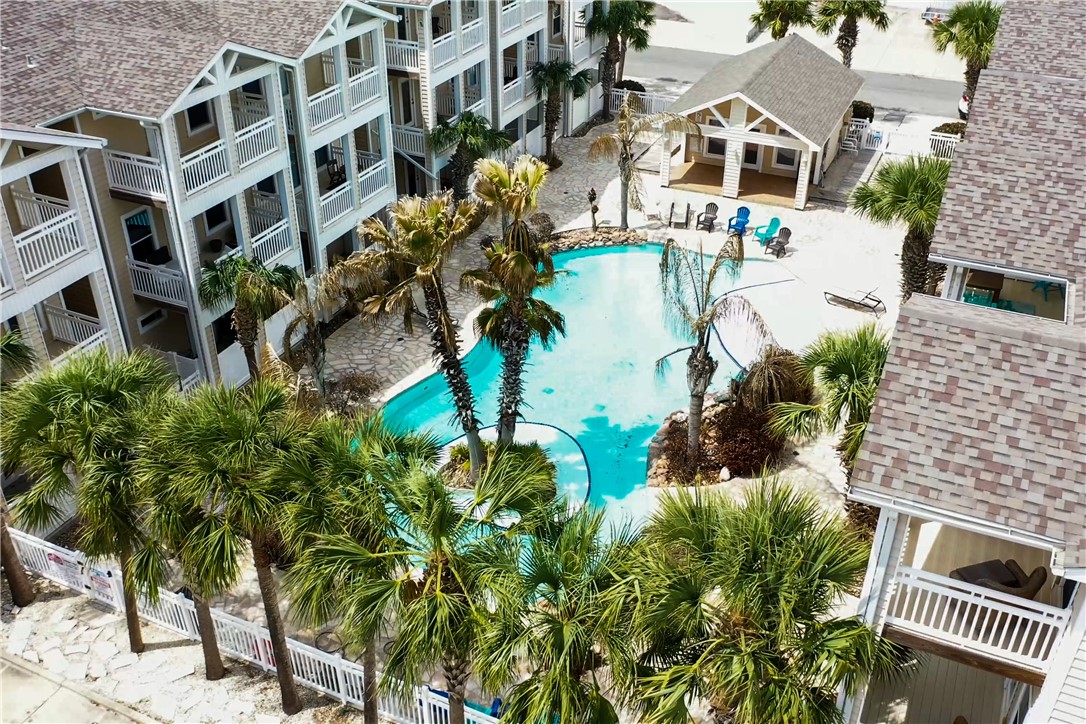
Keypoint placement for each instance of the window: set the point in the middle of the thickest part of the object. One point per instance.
(151, 320)
(785, 157)
(267, 185)
(715, 146)
(321, 156)
(225, 335)
(139, 230)
(407, 115)
(253, 87)
(217, 217)
(556, 20)
(199, 117)
(752, 152)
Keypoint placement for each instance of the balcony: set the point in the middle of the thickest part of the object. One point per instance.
(365, 87)
(256, 141)
(444, 50)
(335, 204)
(188, 372)
(402, 54)
(513, 93)
(373, 180)
(410, 140)
(49, 243)
(325, 107)
(273, 242)
(81, 332)
(134, 175)
(472, 35)
(512, 16)
(160, 283)
(204, 167)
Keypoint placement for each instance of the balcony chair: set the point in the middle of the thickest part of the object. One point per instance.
(707, 218)
(738, 223)
(764, 233)
(779, 245)
(1005, 577)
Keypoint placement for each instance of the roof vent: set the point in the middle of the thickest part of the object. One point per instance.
(31, 61)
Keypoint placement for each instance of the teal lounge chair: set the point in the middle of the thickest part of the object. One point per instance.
(767, 232)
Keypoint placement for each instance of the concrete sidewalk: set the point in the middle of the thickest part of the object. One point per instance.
(29, 693)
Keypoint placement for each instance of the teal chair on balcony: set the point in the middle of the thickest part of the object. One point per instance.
(768, 231)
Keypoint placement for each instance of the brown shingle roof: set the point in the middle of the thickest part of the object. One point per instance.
(793, 80)
(982, 413)
(134, 56)
(1042, 37)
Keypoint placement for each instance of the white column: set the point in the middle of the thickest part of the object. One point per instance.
(225, 119)
(667, 144)
(954, 283)
(803, 178)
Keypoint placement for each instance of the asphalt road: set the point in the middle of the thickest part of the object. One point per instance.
(675, 67)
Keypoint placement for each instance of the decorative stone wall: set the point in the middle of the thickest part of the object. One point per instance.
(657, 474)
(602, 237)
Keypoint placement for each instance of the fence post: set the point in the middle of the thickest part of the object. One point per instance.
(341, 682)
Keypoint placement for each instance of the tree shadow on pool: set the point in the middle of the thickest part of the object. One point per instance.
(617, 455)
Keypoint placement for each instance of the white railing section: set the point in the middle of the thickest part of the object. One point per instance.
(444, 50)
(446, 104)
(409, 140)
(237, 638)
(472, 35)
(272, 243)
(71, 327)
(975, 618)
(93, 342)
(510, 68)
(512, 15)
(355, 66)
(187, 369)
(256, 141)
(402, 54)
(47, 245)
(260, 220)
(36, 209)
(862, 135)
(140, 175)
(373, 180)
(650, 102)
(249, 109)
(478, 108)
(582, 49)
(534, 8)
(512, 93)
(335, 204)
(205, 167)
(325, 107)
(367, 159)
(556, 52)
(157, 282)
(365, 87)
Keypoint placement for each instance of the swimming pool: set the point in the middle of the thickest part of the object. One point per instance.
(598, 383)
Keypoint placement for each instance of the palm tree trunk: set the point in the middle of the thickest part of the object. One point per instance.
(552, 114)
(213, 668)
(624, 179)
(316, 350)
(446, 352)
(914, 264)
(700, 367)
(22, 590)
(846, 39)
(456, 677)
(514, 351)
(247, 327)
(460, 169)
(270, 596)
(972, 77)
(369, 683)
(131, 610)
(610, 58)
(693, 430)
(620, 67)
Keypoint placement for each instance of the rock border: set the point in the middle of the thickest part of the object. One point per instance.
(602, 237)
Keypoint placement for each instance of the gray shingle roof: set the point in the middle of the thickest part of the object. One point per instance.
(982, 413)
(791, 79)
(134, 56)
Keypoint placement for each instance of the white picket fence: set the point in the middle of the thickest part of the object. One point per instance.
(327, 673)
(863, 135)
(650, 102)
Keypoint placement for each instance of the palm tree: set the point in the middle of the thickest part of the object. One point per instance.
(908, 191)
(15, 356)
(971, 30)
(473, 138)
(257, 292)
(848, 13)
(552, 81)
(738, 608)
(439, 563)
(87, 417)
(694, 309)
(624, 24)
(342, 466)
(619, 145)
(845, 368)
(776, 376)
(567, 620)
(222, 442)
(512, 192)
(781, 15)
(414, 248)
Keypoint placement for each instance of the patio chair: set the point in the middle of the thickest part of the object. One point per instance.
(738, 223)
(1006, 577)
(861, 299)
(683, 222)
(779, 245)
(707, 218)
(764, 233)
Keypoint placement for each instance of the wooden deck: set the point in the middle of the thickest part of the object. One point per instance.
(756, 187)
(937, 692)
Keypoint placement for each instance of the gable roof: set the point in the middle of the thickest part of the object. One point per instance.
(135, 56)
(982, 413)
(790, 79)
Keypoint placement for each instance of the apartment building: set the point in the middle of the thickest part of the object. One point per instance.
(54, 286)
(976, 451)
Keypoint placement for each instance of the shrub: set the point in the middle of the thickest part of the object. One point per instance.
(542, 227)
(863, 109)
(352, 392)
(776, 376)
(956, 128)
(740, 442)
(630, 85)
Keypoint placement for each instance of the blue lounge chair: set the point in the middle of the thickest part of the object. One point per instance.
(738, 223)
(767, 232)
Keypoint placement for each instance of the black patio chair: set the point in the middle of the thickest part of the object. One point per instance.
(778, 246)
(707, 218)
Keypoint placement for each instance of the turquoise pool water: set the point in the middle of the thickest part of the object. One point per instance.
(598, 383)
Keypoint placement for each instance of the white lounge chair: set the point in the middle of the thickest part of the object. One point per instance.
(856, 298)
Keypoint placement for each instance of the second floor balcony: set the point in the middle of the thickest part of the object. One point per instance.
(52, 232)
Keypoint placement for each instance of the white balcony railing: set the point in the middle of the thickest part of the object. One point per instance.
(335, 204)
(367, 160)
(157, 282)
(512, 93)
(187, 369)
(556, 52)
(365, 87)
(204, 167)
(976, 619)
(534, 8)
(477, 108)
(373, 180)
(71, 327)
(36, 209)
(512, 15)
(409, 140)
(47, 245)
(472, 35)
(96, 340)
(249, 109)
(256, 141)
(139, 175)
(402, 54)
(272, 243)
(325, 107)
(444, 50)
(446, 104)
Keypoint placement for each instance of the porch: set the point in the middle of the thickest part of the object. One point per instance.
(754, 186)
(47, 231)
